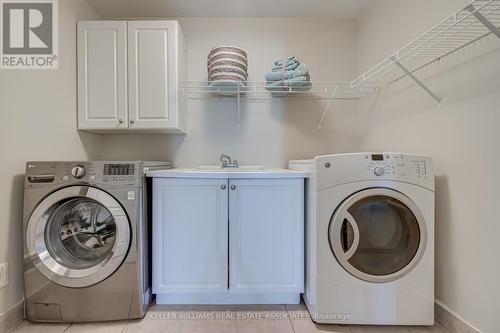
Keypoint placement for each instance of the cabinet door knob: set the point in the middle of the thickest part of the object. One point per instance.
(120, 121)
(132, 121)
(233, 187)
(223, 186)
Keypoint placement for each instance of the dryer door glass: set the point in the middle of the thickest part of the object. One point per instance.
(80, 233)
(377, 235)
(77, 236)
(389, 235)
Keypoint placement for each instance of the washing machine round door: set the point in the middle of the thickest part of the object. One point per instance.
(378, 235)
(78, 236)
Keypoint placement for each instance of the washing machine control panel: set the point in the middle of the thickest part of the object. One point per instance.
(104, 173)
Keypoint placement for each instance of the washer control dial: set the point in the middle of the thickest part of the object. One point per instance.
(78, 171)
(379, 171)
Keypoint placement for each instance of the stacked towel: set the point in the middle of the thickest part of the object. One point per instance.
(289, 73)
(291, 64)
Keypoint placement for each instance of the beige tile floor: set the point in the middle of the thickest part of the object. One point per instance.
(221, 319)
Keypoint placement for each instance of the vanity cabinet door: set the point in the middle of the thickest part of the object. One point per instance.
(266, 236)
(190, 230)
(102, 75)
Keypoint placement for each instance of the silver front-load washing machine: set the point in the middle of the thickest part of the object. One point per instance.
(85, 241)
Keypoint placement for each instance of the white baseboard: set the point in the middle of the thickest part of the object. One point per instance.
(452, 321)
(224, 298)
(12, 318)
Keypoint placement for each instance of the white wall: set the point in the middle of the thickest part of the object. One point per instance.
(462, 138)
(38, 122)
(272, 131)
(38, 119)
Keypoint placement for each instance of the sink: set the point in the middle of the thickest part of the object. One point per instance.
(218, 168)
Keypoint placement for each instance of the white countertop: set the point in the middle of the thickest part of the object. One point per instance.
(227, 173)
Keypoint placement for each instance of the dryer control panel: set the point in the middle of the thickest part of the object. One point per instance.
(396, 165)
(345, 168)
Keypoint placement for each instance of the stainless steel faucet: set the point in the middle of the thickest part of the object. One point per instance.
(227, 162)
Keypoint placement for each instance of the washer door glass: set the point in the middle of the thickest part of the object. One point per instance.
(78, 236)
(378, 235)
(80, 233)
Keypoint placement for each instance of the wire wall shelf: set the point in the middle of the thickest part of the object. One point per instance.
(479, 19)
(338, 90)
(330, 91)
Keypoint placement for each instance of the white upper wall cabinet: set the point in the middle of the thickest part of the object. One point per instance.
(102, 75)
(153, 73)
(148, 57)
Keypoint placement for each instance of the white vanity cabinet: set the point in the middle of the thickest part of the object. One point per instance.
(228, 241)
(127, 77)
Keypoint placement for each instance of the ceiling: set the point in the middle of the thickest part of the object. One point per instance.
(338, 9)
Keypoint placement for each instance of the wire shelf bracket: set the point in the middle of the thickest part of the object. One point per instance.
(417, 81)
(481, 18)
(327, 108)
(238, 107)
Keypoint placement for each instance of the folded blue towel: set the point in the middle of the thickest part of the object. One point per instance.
(301, 70)
(297, 79)
(299, 83)
(289, 67)
(279, 62)
(287, 63)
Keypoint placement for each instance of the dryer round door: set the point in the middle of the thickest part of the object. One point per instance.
(378, 235)
(78, 236)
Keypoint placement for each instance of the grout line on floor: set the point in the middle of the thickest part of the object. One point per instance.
(13, 328)
(437, 323)
(289, 318)
(67, 328)
(126, 323)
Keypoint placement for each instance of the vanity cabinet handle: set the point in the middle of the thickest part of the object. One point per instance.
(120, 121)
(223, 187)
(233, 187)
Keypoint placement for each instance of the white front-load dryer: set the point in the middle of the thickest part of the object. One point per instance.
(370, 239)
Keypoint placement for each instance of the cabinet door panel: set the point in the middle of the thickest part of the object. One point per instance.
(190, 235)
(102, 75)
(152, 53)
(266, 244)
